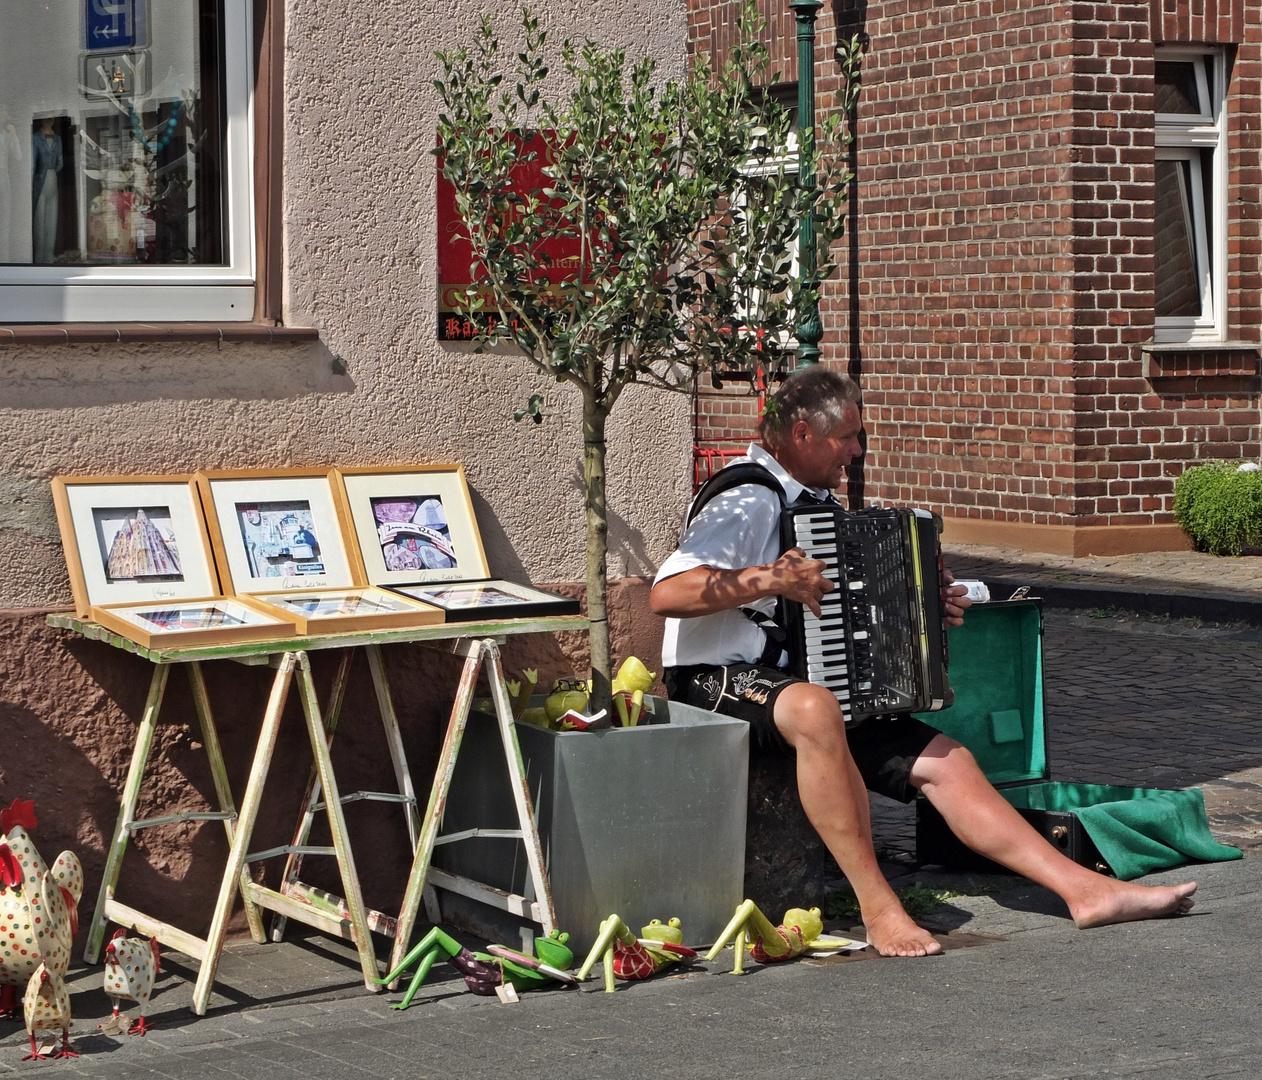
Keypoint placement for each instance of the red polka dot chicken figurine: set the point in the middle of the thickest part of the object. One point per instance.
(46, 1007)
(46, 1003)
(29, 934)
(131, 967)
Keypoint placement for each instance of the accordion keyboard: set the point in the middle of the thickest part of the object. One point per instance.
(874, 644)
(825, 649)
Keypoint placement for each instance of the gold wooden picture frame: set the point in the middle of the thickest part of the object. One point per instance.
(276, 530)
(411, 524)
(479, 601)
(337, 611)
(187, 623)
(133, 539)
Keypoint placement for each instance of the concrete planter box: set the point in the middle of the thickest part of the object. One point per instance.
(647, 822)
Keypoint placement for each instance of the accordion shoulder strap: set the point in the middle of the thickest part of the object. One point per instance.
(745, 472)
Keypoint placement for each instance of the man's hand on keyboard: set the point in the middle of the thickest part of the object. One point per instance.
(801, 578)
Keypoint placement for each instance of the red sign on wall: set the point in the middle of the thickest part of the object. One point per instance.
(456, 263)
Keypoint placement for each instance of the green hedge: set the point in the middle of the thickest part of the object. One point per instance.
(1219, 507)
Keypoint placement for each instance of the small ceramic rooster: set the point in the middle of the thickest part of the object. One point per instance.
(46, 1007)
(46, 1003)
(131, 966)
(26, 936)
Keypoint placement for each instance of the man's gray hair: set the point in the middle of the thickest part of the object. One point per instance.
(813, 394)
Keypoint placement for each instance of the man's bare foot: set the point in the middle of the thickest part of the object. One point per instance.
(893, 933)
(1123, 901)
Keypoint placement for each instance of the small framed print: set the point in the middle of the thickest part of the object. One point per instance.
(412, 524)
(469, 601)
(130, 539)
(276, 531)
(335, 611)
(220, 621)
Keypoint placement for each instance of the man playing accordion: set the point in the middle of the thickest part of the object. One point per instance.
(718, 591)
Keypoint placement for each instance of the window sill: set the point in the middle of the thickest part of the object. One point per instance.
(1203, 367)
(120, 333)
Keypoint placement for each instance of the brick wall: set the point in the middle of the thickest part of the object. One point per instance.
(999, 284)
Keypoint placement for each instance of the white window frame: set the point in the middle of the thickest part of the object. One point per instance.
(1182, 137)
(221, 293)
(770, 166)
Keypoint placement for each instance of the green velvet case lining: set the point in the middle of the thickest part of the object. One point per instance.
(996, 672)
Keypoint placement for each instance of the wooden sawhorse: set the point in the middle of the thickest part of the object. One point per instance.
(349, 918)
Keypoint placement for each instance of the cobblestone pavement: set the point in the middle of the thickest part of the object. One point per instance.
(1146, 702)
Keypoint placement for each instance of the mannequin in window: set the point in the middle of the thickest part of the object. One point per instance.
(10, 162)
(47, 161)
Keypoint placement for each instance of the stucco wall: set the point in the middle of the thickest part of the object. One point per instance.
(377, 388)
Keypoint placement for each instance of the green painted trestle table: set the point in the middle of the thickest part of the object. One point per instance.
(345, 916)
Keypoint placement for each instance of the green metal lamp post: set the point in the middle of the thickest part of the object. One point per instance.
(809, 328)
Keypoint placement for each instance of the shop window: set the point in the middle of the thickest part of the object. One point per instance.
(125, 162)
(1190, 195)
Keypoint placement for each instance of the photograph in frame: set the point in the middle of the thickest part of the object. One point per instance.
(274, 531)
(280, 538)
(465, 601)
(413, 524)
(137, 543)
(131, 539)
(216, 621)
(350, 610)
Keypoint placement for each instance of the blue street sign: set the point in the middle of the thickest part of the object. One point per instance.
(114, 24)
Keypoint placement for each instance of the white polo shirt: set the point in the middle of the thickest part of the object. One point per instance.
(739, 528)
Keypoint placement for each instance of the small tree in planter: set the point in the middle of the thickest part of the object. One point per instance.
(1220, 507)
(670, 208)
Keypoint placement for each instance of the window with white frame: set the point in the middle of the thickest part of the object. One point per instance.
(125, 161)
(771, 169)
(1190, 195)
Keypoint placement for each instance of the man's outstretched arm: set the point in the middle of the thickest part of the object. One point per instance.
(703, 590)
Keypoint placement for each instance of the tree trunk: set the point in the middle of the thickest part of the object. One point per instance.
(597, 548)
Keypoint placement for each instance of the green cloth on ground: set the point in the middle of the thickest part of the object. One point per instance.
(1155, 832)
(1138, 830)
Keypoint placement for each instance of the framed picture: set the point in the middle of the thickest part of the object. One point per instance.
(335, 611)
(467, 601)
(276, 531)
(219, 621)
(130, 539)
(412, 524)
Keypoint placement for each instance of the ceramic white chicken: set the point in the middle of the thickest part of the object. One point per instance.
(46, 1007)
(46, 1003)
(131, 967)
(27, 938)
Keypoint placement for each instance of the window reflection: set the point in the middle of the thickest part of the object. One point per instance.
(1176, 90)
(111, 133)
(1177, 288)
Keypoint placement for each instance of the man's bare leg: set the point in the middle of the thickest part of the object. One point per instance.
(836, 803)
(951, 779)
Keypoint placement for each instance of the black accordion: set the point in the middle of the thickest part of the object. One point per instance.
(880, 642)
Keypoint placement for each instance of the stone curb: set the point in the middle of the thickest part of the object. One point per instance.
(1215, 607)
